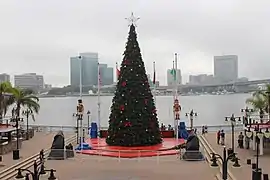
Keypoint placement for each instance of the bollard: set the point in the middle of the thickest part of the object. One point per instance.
(249, 161)
(257, 175)
(265, 177)
(253, 166)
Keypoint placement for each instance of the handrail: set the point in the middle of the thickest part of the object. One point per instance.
(10, 172)
(208, 149)
(105, 128)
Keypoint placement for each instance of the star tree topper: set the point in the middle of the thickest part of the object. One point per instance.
(132, 20)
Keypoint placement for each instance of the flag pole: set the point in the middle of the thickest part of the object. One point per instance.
(116, 71)
(81, 124)
(98, 103)
(176, 93)
(154, 81)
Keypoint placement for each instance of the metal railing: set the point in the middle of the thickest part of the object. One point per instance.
(208, 150)
(10, 172)
(67, 128)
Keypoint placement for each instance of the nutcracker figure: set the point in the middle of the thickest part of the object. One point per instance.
(176, 109)
(80, 109)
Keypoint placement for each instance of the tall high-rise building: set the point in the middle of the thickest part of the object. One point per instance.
(4, 77)
(29, 81)
(170, 78)
(226, 68)
(106, 74)
(89, 69)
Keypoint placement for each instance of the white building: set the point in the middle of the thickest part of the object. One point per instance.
(226, 68)
(29, 81)
(170, 78)
(4, 77)
(201, 79)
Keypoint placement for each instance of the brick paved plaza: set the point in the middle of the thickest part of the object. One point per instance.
(41, 140)
(104, 168)
(244, 172)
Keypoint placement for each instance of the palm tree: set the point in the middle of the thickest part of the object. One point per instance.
(260, 99)
(25, 99)
(5, 102)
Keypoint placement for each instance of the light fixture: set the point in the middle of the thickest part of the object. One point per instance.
(267, 133)
(260, 134)
(52, 177)
(214, 160)
(249, 133)
(236, 162)
(19, 175)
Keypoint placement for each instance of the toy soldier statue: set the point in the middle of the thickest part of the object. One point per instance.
(80, 109)
(176, 109)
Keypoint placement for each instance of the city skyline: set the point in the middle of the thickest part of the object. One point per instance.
(41, 36)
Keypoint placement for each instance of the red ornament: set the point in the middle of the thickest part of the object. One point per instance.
(122, 107)
(124, 83)
(154, 111)
(146, 101)
(126, 62)
(127, 124)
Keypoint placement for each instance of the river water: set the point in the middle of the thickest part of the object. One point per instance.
(211, 109)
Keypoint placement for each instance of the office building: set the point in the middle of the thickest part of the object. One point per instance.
(226, 68)
(4, 78)
(89, 69)
(29, 81)
(201, 79)
(106, 74)
(170, 78)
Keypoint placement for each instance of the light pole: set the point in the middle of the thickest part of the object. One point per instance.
(77, 126)
(233, 121)
(16, 152)
(247, 111)
(88, 121)
(191, 115)
(258, 136)
(27, 113)
(38, 170)
(225, 159)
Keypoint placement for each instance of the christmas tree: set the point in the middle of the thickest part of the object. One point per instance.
(133, 120)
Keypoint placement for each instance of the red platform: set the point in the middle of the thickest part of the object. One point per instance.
(102, 149)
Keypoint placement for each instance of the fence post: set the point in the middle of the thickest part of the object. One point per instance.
(139, 155)
(119, 156)
(157, 157)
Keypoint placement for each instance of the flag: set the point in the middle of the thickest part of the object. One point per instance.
(117, 71)
(173, 73)
(154, 77)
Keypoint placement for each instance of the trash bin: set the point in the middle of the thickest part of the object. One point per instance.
(265, 177)
(16, 154)
(257, 175)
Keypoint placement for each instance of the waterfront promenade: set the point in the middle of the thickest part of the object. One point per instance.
(41, 140)
(85, 167)
(244, 172)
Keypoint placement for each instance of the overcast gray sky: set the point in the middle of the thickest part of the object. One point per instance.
(40, 35)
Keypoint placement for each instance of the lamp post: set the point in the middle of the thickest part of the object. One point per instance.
(247, 111)
(88, 120)
(16, 152)
(225, 159)
(191, 115)
(77, 126)
(233, 121)
(38, 170)
(27, 113)
(259, 135)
